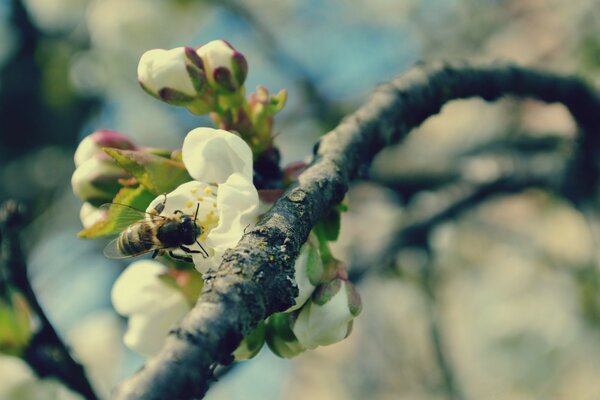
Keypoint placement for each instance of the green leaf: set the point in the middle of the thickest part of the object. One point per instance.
(157, 174)
(138, 197)
(328, 228)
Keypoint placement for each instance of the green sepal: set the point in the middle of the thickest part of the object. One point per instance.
(325, 292)
(328, 228)
(277, 102)
(280, 338)
(138, 198)
(251, 344)
(157, 174)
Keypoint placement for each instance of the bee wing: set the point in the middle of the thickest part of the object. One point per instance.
(112, 249)
(126, 215)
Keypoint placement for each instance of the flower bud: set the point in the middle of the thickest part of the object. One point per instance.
(97, 180)
(174, 76)
(262, 109)
(309, 271)
(251, 344)
(91, 146)
(280, 338)
(16, 323)
(226, 68)
(90, 215)
(327, 317)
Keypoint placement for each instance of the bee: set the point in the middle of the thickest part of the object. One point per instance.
(145, 232)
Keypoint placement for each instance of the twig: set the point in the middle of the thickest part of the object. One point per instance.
(255, 279)
(46, 353)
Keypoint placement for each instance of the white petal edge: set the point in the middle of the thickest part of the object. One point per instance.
(212, 155)
(237, 205)
(159, 69)
(138, 288)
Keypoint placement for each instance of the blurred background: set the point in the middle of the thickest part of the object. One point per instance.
(499, 297)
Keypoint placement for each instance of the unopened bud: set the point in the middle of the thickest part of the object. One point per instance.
(309, 271)
(226, 68)
(90, 215)
(327, 317)
(91, 146)
(251, 344)
(280, 338)
(174, 76)
(97, 180)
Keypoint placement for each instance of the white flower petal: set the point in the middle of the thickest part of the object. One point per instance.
(90, 215)
(146, 332)
(215, 54)
(152, 306)
(137, 288)
(159, 69)
(237, 205)
(212, 155)
(321, 325)
(87, 149)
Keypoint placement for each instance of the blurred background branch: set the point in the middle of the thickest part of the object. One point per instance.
(45, 351)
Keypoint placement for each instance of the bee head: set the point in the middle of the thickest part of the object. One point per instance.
(189, 230)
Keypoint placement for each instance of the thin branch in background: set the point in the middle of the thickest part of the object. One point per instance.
(428, 282)
(256, 278)
(46, 353)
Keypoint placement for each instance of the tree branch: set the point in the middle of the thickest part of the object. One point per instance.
(255, 279)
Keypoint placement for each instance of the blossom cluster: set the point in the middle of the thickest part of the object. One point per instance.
(214, 182)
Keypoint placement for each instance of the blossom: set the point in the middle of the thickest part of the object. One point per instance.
(222, 197)
(226, 68)
(152, 306)
(327, 317)
(96, 176)
(174, 76)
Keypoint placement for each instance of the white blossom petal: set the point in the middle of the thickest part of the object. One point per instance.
(321, 325)
(152, 306)
(159, 69)
(237, 205)
(215, 54)
(212, 155)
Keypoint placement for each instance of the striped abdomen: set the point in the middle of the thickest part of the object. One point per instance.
(137, 239)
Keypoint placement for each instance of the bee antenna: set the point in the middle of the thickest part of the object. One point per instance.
(196, 213)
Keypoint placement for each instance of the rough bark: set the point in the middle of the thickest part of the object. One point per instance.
(255, 278)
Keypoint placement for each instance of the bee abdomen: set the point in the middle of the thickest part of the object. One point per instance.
(136, 239)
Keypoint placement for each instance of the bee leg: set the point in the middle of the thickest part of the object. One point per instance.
(205, 254)
(188, 250)
(155, 253)
(182, 258)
